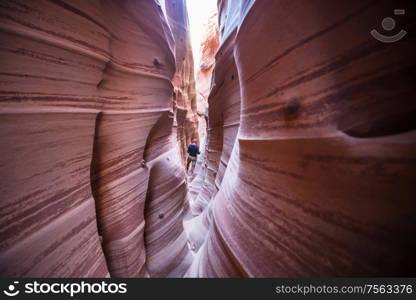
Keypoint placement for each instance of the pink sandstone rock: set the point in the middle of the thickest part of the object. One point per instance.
(320, 181)
(310, 158)
(208, 49)
(83, 84)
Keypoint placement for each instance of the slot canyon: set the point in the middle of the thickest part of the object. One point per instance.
(305, 122)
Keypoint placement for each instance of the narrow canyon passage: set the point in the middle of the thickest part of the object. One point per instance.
(305, 124)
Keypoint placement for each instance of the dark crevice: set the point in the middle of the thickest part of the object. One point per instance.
(95, 184)
(392, 125)
(100, 83)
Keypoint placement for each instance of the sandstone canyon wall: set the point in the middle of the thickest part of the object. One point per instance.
(205, 67)
(309, 167)
(86, 91)
(185, 106)
(311, 147)
(167, 203)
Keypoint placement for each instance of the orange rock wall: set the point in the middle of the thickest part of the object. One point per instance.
(185, 106)
(208, 49)
(205, 67)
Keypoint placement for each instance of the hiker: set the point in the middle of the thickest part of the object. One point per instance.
(193, 151)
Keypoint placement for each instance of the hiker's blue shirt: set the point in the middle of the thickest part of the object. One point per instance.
(193, 150)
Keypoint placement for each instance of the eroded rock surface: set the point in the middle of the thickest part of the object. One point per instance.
(310, 158)
(166, 246)
(86, 90)
(205, 67)
(311, 146)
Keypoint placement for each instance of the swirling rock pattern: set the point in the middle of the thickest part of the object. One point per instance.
(184, 102)
(205, 67)
(320, 181)
(167, 253)
(310, 156)
(166, 203)
(83, 85)
(208, 49)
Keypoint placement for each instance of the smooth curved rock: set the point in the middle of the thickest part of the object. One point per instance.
(310, 158)
(83, 84)
(167, 253)
(209, 47)
(184, 102)
(321, 178)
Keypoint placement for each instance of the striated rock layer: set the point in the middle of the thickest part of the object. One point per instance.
(311, 144)
(208, 49)
(86, 91)
(310, 158)
(205, 67)
(184, 104)
(166, 203)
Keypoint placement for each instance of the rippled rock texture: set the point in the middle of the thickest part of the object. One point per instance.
(87, 93)
(166, 204)
(311, 147)
(208, 49)
(310, 159)
(205, 67)
(185, 106)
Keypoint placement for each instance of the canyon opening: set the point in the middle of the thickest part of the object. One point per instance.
(229, 138)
